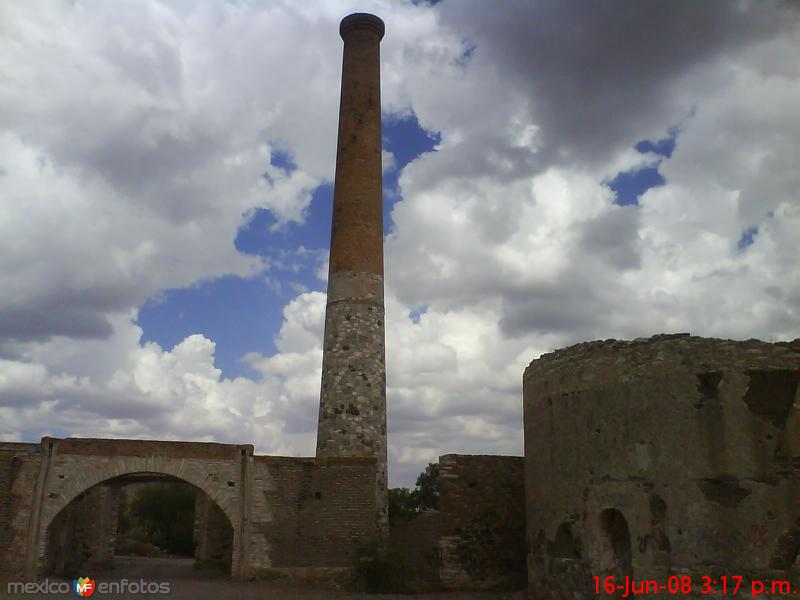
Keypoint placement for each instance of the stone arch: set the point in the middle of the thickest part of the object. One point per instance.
(94, 475)
(566, 545)
(662, 549)
(616, 540)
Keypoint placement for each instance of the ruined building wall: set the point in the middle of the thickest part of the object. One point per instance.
(84, 534)
(482, 512)
(213, 533)
(19, 471)
(59, 503)
(415, 542)
(668, 455)
(320, 510)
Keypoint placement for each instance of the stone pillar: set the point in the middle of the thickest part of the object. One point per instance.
(352, 412)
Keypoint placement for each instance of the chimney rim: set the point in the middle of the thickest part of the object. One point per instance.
(357, 21)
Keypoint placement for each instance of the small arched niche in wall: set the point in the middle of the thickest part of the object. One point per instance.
(616, 543)
(565, 546)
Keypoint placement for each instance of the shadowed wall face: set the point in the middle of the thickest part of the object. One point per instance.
(673, 454)
(352, 417)
(482, 530)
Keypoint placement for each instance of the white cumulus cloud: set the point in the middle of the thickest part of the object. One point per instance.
(137, 138)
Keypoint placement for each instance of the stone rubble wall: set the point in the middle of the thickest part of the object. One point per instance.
(482, 511)
(415, 542)
(661, 456)
(213, 532)
(352, 412)
(19, 470)
(83, 535)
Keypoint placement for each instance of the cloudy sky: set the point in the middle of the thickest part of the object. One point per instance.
(555, 171)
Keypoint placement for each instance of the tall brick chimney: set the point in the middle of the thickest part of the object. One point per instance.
(352, 410)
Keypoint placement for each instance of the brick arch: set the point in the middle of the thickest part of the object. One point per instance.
(96, 475)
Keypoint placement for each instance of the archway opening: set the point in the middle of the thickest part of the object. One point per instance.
(616, 542)
(565, 546)
(138, 524)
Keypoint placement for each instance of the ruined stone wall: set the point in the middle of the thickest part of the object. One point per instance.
(415, 543)
(100, 519)
(482, 511)
(8, 467)
(84, 534)
(320, 510)
(19, 470)
(213, 533)
(661, 456)
(59, 503)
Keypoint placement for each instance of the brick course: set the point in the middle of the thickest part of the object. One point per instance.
(321, 510)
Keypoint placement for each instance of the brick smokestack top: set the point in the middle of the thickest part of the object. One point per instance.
(352, 410)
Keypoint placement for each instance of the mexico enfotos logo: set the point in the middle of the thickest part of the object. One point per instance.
(84, 587)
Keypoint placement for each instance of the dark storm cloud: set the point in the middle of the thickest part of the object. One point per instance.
(613, 238)
(38, 323)
(65, 309)
(161, 174)
(600, 73)
(559, 308)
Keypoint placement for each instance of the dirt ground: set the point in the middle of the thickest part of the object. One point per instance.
(185, 583)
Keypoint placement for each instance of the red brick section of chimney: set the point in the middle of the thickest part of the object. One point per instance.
(352, 412)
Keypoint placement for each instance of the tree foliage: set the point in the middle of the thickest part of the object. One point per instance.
(166, 513)
(405, 503)
(428, 487)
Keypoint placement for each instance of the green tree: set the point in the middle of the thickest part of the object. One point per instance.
(166, 511)
(402, 504)
(428, 487)
(405, 503)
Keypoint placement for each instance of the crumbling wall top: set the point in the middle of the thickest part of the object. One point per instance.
(661, 355)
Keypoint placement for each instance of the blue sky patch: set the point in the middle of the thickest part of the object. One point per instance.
(630, 185)
(258, 237)
(282, 160)
(417, 312)
(747, 238)
(220, 308)
(406, 140)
